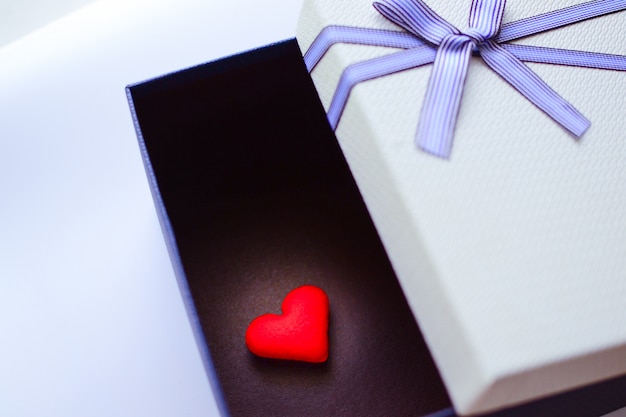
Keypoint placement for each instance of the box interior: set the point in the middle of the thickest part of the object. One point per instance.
(261, 201)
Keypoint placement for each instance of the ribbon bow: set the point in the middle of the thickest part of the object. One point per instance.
(429, 38)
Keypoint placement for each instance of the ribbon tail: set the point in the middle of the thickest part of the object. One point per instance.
(374, 68)
(533, 88)
(558, 18)
(567, 57)
(443, 96)
(331, 35)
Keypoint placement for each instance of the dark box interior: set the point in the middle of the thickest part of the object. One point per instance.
(253, 189)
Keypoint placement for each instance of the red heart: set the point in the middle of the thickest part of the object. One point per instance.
(299, 334)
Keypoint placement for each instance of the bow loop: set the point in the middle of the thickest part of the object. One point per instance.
(486, 17)
(417, 18)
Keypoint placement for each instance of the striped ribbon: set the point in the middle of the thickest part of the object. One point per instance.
(430, 39)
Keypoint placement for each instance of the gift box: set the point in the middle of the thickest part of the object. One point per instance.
(492, 158)
(255, 198)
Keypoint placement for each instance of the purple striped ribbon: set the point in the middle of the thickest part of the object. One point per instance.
(430, 39)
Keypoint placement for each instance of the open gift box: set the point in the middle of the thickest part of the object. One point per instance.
(255, 198)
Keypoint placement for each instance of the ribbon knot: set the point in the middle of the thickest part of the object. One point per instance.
(461, 39)
(475, 37)
(431, 39)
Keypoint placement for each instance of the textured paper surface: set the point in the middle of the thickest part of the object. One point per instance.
(512, 254)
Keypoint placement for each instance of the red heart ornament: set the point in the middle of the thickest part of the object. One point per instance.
(299, 334)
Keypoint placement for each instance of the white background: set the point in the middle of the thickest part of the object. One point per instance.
(20, 17)
(91, 320)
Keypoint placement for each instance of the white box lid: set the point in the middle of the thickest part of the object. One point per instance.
(512, 254)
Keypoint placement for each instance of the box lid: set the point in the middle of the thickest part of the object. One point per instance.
(511, 252)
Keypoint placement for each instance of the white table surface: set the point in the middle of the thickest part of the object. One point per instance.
(91, 320)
